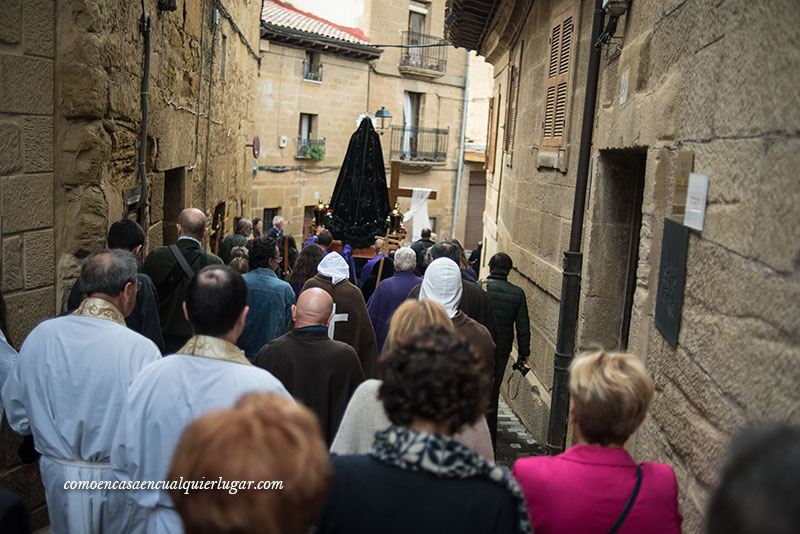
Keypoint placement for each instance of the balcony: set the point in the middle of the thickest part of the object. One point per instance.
(313, 149)
(312, 71)
(427, 58)
(412, 144)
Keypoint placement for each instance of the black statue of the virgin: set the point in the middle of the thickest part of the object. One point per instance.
(360, 200)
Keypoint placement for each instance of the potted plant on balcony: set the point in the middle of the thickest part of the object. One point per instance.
(314, 152)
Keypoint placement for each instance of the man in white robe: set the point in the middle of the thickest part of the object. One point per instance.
(68, 389)
(210, 372)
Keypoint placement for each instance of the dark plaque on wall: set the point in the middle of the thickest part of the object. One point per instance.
(671, 274)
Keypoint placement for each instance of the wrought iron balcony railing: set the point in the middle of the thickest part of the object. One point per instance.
(312, 71)
(310, 149)
(414, 144)
(430, 52)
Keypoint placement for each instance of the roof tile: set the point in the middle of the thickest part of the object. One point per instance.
(281, 14)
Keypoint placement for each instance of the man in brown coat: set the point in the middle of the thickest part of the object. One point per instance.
(350, 322)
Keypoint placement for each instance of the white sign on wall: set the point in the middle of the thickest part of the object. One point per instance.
(623, 85)
(696, 195)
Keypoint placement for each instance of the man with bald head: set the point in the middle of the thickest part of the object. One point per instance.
(318, 371)
(172, 268)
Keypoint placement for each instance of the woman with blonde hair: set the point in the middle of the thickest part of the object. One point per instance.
(595, 486)
(413, 316)
(365, 414)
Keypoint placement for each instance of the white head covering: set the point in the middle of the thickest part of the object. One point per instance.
(333, 265)
(442, 284)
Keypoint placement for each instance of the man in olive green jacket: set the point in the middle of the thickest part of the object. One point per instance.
(510, 307)
(171, 276)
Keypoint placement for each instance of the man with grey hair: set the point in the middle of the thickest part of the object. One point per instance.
(242, 230)
(68, 389)
(172, 268)
(392, 292)
(276, 231)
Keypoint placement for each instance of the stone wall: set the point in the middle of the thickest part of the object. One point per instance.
(720, 83)
(200, 118)
(70, 116)
(26, 198)
(337, 102)
(283, 95)
(442, 107)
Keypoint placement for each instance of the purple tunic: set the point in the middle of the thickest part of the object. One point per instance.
(386, 299)
(367, 268)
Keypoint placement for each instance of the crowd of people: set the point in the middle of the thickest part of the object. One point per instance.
(367, 411)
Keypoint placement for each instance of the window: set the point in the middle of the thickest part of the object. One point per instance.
(412, 103)
(312, 68)
(224, 59)
(416, 19)
(307, 125)
(559, 63)
(309, 143)
(511, 111)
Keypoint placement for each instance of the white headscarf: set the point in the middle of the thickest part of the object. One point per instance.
(333, 265)
(442, 284)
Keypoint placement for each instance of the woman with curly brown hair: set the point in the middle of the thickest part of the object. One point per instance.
(365, 414)
(305, 267)
(416, 478)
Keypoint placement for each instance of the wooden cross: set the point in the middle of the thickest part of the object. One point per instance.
(396, 191)
(384, 252)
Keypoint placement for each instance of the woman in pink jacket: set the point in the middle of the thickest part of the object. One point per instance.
(595, 486)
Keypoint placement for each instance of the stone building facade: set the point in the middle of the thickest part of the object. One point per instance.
(683, 85)
(70, 121)
(314, 86)
(428, 82)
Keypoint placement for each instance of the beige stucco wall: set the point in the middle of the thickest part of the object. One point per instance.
(481, 82)
(695, 83)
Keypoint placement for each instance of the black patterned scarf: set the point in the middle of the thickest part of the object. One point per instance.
(445, 458)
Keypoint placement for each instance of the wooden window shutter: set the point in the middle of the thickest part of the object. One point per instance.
(511, 112)
(491, 145)
(559, 64)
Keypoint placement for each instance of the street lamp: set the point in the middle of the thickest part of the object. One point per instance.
(385, 119)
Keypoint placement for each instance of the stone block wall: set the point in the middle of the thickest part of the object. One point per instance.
(26, 198)
(530, 193)
(70, 117)
(200, 116)
(716, 82)
(283, 95)
(338, 101)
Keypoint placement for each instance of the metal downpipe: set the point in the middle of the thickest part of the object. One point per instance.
(144, 28)
(573, 258)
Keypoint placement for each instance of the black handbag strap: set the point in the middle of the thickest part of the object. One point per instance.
(631, 500)
(181, 260)
(181, 269)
